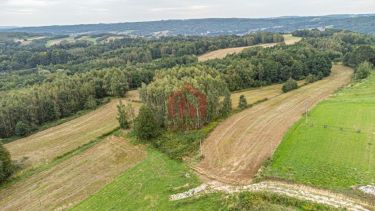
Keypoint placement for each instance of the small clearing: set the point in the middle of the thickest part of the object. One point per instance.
(295, 191)
(53, 142)
(236, 149)
(74, 179)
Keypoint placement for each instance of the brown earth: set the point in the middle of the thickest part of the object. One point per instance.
(237, 148)
(53, 142)
(74, 179)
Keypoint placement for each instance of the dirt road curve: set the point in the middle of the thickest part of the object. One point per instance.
(74, 179)
(295, 191)
(237, 148)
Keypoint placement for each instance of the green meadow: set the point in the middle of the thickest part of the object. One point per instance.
(334, 147)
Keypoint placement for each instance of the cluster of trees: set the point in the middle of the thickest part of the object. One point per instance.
(23, 110)
(363, 70)
(187, 97)
(258, 67)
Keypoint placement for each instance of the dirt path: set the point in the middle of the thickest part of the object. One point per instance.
(295, 191)
(50, 143)
(237, 148)
(73, 180)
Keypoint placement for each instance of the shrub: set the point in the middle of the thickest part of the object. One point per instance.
(290, 85)
(363, 71)
(90, 103)
(6, 167)
(311, 79)
(243, 102)
(145, 126)
(23, 128)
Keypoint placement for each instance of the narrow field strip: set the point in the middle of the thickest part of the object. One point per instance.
(53, 142)
(295, 191)
(74, 179)
(237, 148)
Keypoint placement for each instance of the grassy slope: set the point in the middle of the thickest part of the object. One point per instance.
(335, 156)
(148, 186)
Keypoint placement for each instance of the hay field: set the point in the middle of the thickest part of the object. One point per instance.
(53, 142)
(74, 179)
(221, 53)
(237, 148)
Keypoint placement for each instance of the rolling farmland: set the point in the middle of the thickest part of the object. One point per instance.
(237, 148)
(74, 179)
(53, 142)
(334, 148)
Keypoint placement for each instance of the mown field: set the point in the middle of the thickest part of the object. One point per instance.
(221, 53)
(149, 184)
(334, 147)
(53, 142)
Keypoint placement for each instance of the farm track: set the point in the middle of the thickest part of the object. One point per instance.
(236, 149)
(56, 141)
(74, 179)
(300, 192)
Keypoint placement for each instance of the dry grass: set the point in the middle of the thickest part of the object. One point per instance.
(221, 53)
(53, 142)
(291, 40)
(74, 179)
(237, 148)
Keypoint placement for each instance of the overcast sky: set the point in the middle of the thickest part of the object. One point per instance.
(50, 12)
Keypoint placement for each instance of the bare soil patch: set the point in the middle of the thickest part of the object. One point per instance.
(73, 180)
(237, 148)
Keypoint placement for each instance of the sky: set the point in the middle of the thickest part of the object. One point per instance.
(61, 12)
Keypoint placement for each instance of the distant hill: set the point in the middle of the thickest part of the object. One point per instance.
(213, 26)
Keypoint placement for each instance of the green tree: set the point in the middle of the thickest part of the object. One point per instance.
(22, 128)
(145, 126)
(6, 167)
(289, 85)
(122, 116)
(243, 102)
(363, 71)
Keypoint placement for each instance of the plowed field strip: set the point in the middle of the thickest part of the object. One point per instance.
(236, 149)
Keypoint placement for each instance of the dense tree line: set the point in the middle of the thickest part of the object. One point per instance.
(23, 110)
(258, 67)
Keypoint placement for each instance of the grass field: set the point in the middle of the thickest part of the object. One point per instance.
(148, 186)
(53, 142)
(74, 179)
(237, 148)
(334, 147)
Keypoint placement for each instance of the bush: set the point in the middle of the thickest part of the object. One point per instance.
(363, 70)
(23, 128)
(6, 167)
(145, 126)
(311, 79)
(91, 103)
(243, 102)
(290, 85)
